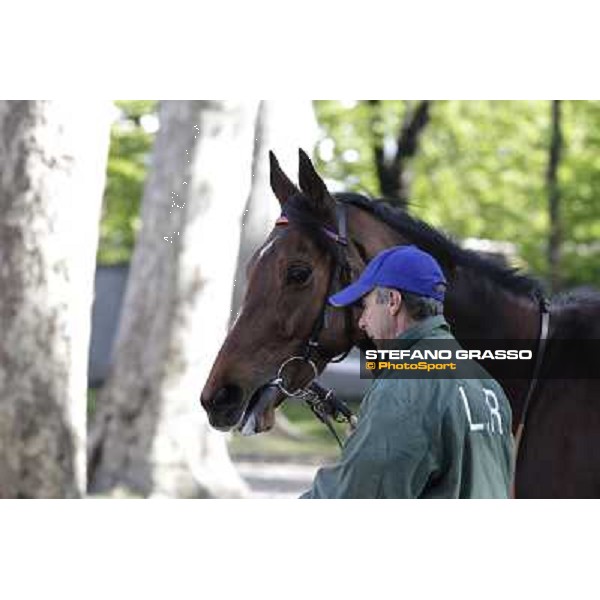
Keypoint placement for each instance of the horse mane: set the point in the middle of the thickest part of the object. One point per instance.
(443, 247)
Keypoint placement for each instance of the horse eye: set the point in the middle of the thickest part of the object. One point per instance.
(297, 275)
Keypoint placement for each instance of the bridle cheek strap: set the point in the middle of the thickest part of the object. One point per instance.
(322, 402)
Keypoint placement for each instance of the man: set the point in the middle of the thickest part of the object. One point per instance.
(422, 437)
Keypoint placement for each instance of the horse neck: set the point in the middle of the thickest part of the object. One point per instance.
(475, 306)
(478, 308)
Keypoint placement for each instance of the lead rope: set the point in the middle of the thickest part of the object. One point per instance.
(327, 407)
(322, 402)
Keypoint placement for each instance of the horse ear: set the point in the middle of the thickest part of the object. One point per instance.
(282, 187)
(310, 181)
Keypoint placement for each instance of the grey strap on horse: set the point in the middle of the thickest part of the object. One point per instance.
(541, 349)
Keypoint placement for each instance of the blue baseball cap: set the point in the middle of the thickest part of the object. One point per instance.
(405, 268)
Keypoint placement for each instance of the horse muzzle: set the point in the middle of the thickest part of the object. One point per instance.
(225, 408)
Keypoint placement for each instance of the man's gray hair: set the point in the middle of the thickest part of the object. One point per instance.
(417, 307)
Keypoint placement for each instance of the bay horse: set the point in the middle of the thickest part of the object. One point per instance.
(320, 244)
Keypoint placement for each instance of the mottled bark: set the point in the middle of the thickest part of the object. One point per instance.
(555, 233)
(52, 169)
(393, 171)
(150, 434)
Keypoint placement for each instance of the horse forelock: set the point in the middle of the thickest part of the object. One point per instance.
(312, 221)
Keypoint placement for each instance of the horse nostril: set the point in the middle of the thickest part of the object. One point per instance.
(228, 398)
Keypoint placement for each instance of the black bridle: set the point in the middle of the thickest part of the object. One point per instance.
(341, 273)
(322, 401)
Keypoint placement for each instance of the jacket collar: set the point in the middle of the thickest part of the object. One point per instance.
(424, 328)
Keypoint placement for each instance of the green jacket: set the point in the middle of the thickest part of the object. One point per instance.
(425, 438)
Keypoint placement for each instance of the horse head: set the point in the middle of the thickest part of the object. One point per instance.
(289, 280)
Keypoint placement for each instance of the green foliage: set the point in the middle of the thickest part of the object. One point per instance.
(579, 178)
(354, 127)
(130, 146)
(480, 172)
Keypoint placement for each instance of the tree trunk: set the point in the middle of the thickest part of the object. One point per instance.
(150, 434)
(393, 171)
(282, 127)
(555, 234)
(52, 169)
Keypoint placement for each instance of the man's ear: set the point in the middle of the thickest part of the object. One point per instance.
(394, 302)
